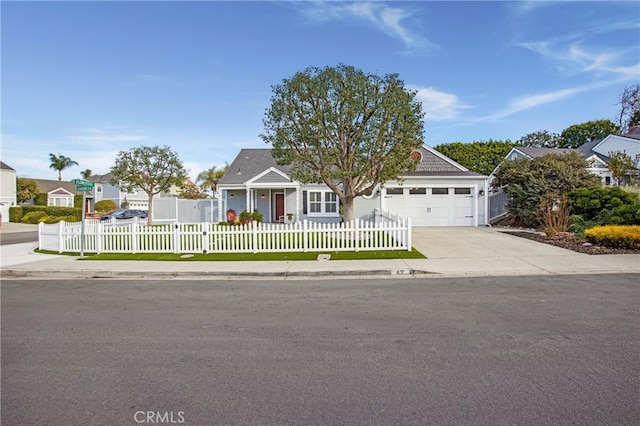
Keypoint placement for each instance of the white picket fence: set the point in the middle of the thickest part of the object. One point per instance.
(304, 236)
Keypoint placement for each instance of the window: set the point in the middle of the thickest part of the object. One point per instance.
(315, 202)
(322, 203)
(330, 202)
(417, 191)
(395, 191)
(60, 201)
(439, 191)
(463, 191)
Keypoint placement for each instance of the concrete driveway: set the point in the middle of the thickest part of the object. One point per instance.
(480, 242)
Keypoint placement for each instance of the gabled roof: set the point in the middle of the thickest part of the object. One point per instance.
(3, 166)
(258, 165)
(434, 163)
(100, 178)
(535, 152)
(47, 185)
(249, 163)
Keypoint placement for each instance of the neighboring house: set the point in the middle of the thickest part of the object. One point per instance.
(104, 190)
(595, 152)
(59, 193)
(440, 192)
(7, 190)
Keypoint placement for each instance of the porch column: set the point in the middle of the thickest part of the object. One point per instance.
(220, 205)
(248, 200)
(298, 209)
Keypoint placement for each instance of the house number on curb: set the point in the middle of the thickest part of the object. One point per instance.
(401, 272)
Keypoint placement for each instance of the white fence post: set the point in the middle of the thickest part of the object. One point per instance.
(40, 225)
(408, 231)
(356, 241)
(305, 236)
(254, 236)
(61, 226)
(204, 228)
(134, 235)
(99, 230)
(176, 237)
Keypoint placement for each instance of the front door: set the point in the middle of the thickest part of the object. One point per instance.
(279, 207)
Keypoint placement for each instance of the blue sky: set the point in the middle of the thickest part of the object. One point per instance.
(88, 79)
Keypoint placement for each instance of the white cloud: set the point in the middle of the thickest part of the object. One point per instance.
(437, 105)
(97, 135)
(532, 101)
(389, 20)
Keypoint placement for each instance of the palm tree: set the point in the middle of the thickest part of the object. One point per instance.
(209, 179)
(60, 162)
(86, 173)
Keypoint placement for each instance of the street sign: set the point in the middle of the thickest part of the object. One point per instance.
(83, 185)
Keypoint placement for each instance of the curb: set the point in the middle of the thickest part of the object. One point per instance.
(104, 274)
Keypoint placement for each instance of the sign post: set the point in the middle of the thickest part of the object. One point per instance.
(84, 186)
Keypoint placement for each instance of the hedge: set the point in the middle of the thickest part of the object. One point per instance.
(618, 236)
(17, 213)
(35, 217)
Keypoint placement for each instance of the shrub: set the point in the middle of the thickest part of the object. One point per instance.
(61, 218)
(77, 200)
(15, 214)
(41, 199)
(105, 206)
(54, 211)
(35, 217)
(257, 216)
(591, 203)
(553, 213)
(245, 217)
(618, 236)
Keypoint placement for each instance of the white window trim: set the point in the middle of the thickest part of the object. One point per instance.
(65, 201)
(323, 202)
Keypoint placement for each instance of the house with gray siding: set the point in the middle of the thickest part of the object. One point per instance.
(440, 192)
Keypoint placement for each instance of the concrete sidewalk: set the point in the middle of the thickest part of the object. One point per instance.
(450, 252)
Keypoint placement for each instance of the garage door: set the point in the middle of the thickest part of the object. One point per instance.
(462, 207)
(432, 206)
(394, 201)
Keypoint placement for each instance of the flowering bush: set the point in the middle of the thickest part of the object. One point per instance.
(619, 236)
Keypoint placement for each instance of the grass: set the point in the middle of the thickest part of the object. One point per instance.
(287, 256)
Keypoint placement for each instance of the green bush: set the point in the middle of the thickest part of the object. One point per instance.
(77, 200)
(591, 202)
(257, 216)
(625, 236)
(603, 206)
(54, 210)
(61, 218)
(35, 217)
(41, 199)
(105, 206)
(15, 214)
(245, 217)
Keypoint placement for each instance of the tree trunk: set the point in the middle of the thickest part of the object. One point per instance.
(349, 210)
(150, 210)
(59, 175)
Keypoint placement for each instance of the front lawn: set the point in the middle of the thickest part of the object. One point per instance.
(289, 256)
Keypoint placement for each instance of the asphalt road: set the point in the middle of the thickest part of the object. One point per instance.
(18, 237)
(526, 350)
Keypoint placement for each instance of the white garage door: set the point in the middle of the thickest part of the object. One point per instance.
(432, 206)
(462, 207)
